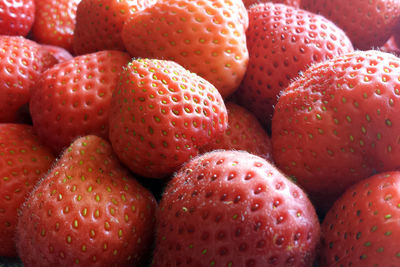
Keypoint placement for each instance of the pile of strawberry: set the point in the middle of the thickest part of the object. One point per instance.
(200, 132)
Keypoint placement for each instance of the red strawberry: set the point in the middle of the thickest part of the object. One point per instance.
(88, 210)
(282, 42)
(99, 23)
(16, 16)
(161, 114)
(367, 23)
(55, 22)
(391, 46)
(362, 228)
(205, 37)
(23, 160)
(73, 98)
(229, 208)
(293, 3)
(244, 132)
(52, 55)
(337, 124)
(20, 67)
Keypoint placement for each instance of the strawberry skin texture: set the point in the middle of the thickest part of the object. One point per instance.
(88, 210)
(161, 114)
(17, 17)
(362, 228)
(23, 160)
(244, 132)
(206, 37)
(337, 124)
(52, 55)
(73, 98)
(282, 42)
(20, 67)
(231, 208)
(293, 3)
(55, 22)
(368, 24)
(99, 23)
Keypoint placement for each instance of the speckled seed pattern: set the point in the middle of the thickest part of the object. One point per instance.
(234, 209)
(99, 23)
(161, 114)
(293, 3)
(282, 42)
(88, 211)
(338, 122)
(55, 22)
(23, 161)
(206, 37)
(73, 98)
(368, 24)
(20, 67)
(17, 17)
(363, 225)
(244, 132)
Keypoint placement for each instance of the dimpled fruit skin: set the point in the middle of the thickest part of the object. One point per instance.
(293, 3)
(161, 114)
(282, 42)
(231, 208)
(244, 132)
(23, 161)
(362, 228)
(88, 210)
(206, 37)
(368, 24)
(55, 22)
(17, 17)
(20, 67)
(337, 123)
(99, 23)
(73, 98)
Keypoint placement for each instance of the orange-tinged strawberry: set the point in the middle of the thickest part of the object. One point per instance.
(205, 37)
(338, 123)
(23, 161)
(73, 98)
(55, 22)
(244, 132)
(88, 210)
(161, 114)
(362, 228)
(99, 23)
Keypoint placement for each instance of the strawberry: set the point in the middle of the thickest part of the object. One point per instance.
(16, 17)
(337, 123)
(20, 67)
(293, 3)
(367, 23)
(391, 46)
(205, 37)
(244, 132)
(88, 210)
(362, 228)
(55, 22)
(52, 55)
(230, 208)
(73, 98)
(23, 160)
(282, 42)
(99, 23)
(161, 114)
